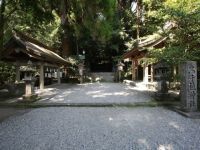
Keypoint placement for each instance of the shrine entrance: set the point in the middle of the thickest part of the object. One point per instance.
(101, 66)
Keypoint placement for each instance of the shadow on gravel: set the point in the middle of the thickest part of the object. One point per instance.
(7, 112)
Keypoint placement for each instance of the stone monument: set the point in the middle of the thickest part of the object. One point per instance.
(189, 86)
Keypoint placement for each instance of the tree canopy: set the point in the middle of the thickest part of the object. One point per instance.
(105, 28)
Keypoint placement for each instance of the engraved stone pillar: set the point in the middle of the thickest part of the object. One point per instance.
(189, 86)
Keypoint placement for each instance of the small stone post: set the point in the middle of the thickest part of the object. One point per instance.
(80, 69)
(189, 86)
(120, 69)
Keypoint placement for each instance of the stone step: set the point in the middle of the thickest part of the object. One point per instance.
(102, 76)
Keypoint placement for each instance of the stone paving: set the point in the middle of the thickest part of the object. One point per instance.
(148, 128)
(97, 93)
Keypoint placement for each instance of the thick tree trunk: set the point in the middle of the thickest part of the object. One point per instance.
(66, 50)
(2, 9)
(139, 11)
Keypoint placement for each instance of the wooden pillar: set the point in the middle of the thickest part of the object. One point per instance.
(152, 73)
(133, 69)
(58, 75)
(145, 73)
(17, 80)
(136, 72)
(41, 76)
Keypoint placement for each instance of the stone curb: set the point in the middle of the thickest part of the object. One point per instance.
(136, 104)
(193, 115)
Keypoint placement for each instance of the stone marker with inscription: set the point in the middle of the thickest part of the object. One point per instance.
(189, 86)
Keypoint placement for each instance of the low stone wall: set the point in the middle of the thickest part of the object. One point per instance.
(12, 90)
(170, 85)
(16, 89)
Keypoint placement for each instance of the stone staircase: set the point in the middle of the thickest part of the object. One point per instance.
(102, 76)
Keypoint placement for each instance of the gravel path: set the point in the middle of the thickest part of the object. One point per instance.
(99, 129)
(99, 93)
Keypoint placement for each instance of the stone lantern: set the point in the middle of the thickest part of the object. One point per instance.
(81, 66)
(161, 76)
(120, 69)
(29, 81)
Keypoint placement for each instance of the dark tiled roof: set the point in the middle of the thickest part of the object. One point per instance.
(32, 48)
(142, 47)
(151, 41)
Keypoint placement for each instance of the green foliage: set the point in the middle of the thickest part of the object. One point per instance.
(97, 26)
(107, 28)
(93, 18)
(153, 16)
(7, 73)
(32, 17)
(96, 29)
(72, 69)
(184, 39)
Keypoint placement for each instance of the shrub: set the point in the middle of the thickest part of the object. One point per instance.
(7, 73)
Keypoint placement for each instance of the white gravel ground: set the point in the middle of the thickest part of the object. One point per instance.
(65, 128)
(98, 93)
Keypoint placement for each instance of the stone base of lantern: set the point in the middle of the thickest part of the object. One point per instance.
(29, 95)
(162, 91)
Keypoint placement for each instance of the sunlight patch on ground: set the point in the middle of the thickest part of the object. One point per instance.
(61, 97)
(46, 92)
(110, 119)
(111, 94)
(57, 99)
(144, 142)
(93, 92)
(66, 93)
(165, 147)
(142, 88)
(175, 125)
